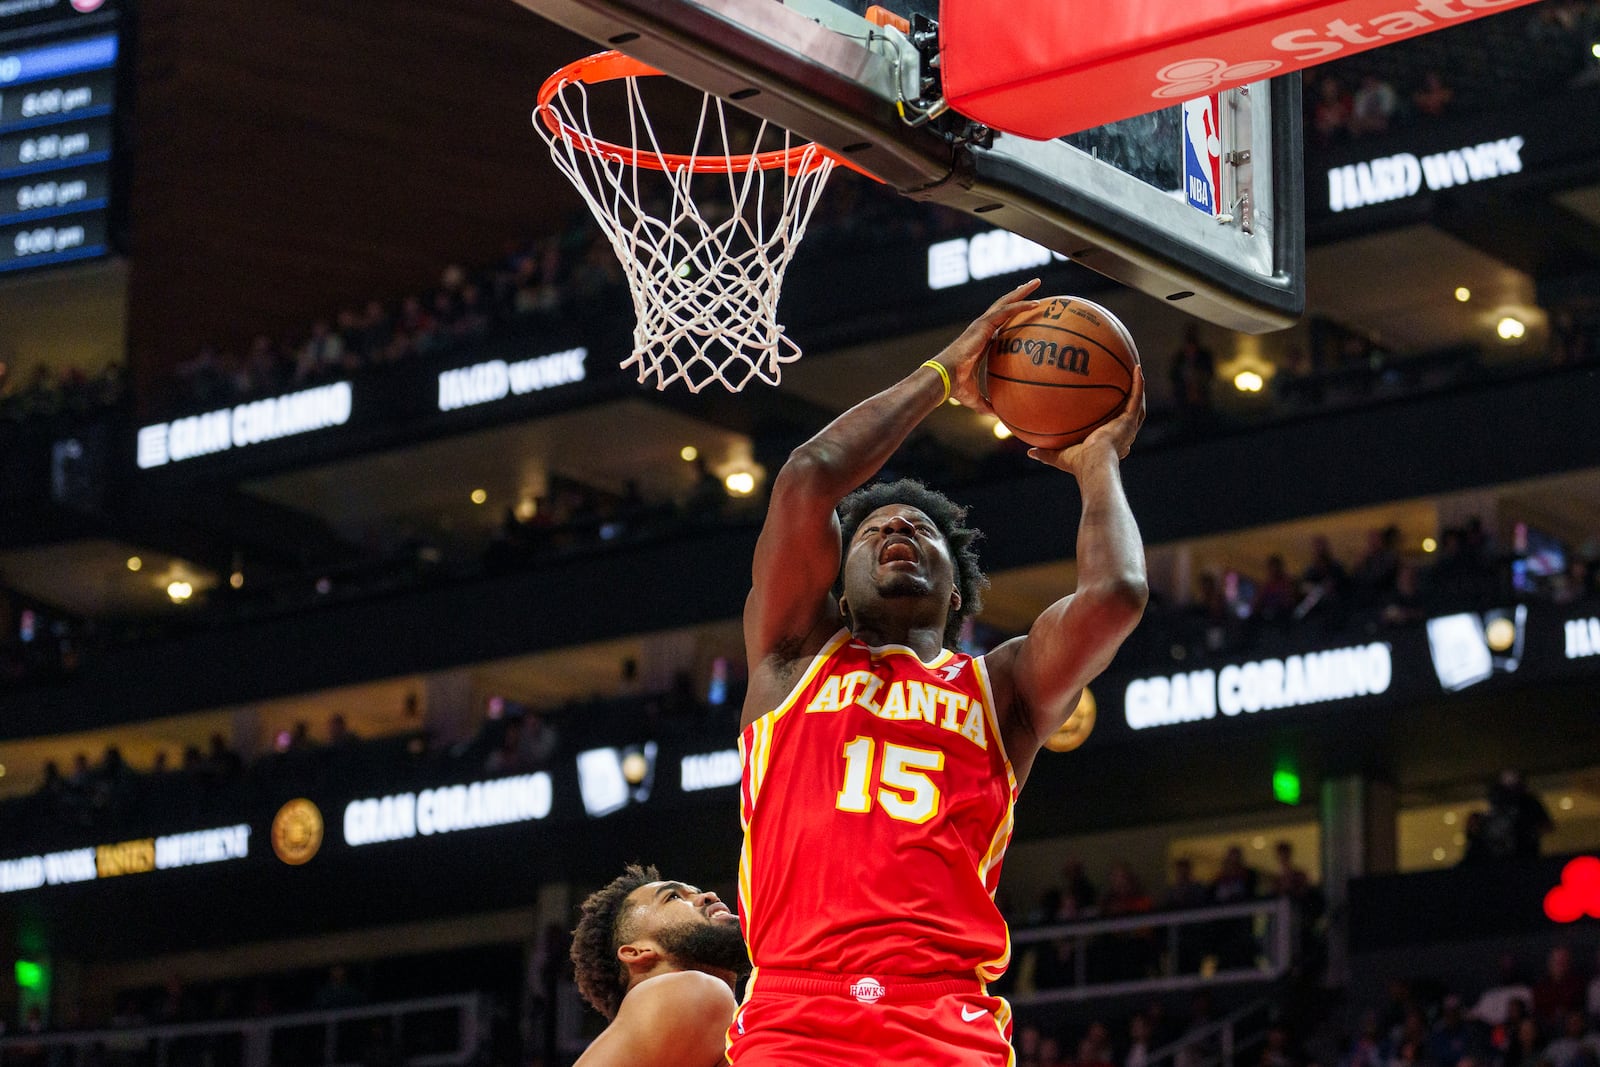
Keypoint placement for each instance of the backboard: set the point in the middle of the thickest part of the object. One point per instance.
(1199, 204)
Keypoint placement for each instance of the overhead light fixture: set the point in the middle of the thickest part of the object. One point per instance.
(1565, 804)
(527, 508)
(479, 496)
(1449, 818)
(1594, 50)
(689, 453)
(1248, 381)
(135, 563)
(1438, 855)
(178, 590)
(1463, 294)
(1429, 544)
(1001, 430)
(740, 483)
(236, 579)
(1510, 329)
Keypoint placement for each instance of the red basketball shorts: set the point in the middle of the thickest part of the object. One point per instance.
(813, 1019)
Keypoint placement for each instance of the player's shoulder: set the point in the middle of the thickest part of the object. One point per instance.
(685, 993)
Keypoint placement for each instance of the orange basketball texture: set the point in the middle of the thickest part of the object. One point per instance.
(1056, 372)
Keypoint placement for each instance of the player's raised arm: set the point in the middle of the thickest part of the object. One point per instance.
(797, 556)
(1074, 639)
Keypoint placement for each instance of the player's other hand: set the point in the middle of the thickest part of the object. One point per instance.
(1114, 438)
(962, 356)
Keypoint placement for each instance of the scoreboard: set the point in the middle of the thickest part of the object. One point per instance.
(58, 89)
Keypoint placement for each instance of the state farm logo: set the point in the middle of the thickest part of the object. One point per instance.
(83, 7)
(867, 990)
(1190, 78)
(1361, 24)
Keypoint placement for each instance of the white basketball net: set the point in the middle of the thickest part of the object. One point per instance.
(705, 289)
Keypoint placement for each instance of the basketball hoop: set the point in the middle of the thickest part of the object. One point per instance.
(705, 289)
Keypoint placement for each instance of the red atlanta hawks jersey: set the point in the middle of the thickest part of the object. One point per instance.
(876, 805)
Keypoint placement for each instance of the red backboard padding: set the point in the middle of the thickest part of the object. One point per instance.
(1047, 68)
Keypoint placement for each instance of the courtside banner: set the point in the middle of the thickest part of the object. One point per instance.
(1053, 67)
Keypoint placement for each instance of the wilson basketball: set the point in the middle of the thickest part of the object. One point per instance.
(1055, 373)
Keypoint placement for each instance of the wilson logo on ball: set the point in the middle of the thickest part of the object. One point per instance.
(1047, 353)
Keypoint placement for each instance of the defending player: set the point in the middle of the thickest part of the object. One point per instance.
(880, 767)
(659, 960)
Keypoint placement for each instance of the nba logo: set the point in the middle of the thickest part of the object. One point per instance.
(1202, 154)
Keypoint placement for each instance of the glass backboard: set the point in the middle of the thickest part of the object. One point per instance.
(1199, 204)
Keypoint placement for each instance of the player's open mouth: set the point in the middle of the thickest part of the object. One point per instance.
(898, 551)
(718, 910)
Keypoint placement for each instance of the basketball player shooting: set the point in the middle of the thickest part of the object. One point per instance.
(880, 765)
(659, 960)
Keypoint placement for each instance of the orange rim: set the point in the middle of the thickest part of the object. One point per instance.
(610, 66)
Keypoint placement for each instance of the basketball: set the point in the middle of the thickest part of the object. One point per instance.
(1057, 372)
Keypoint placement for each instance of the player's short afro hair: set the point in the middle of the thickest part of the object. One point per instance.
(602, 979)
(947, 515)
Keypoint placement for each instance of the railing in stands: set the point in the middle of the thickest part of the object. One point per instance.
(1218, 1044)
(429, 1032)
(1210, 946)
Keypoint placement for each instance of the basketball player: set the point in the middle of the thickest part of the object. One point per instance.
(659, 960)
(880, 766)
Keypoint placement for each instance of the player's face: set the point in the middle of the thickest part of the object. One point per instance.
(693, 928)
(897, 551)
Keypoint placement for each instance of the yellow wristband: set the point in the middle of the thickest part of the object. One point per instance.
(944, 376)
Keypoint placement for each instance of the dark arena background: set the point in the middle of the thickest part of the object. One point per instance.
(358, 616)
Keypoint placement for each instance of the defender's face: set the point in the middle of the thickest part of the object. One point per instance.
(897, 551)
(667, 906)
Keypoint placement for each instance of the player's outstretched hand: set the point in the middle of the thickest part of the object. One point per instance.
(962, 356)
(1115, 436)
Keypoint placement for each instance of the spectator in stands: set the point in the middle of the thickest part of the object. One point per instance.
(1080, 898)
(1140, 1039)
(1592, 998)
(1452, 1038)
(1127, 954)
(1559, 992)
(1185, 891)
(1516, 819)
(1494, 1006)
(1432, 99)
(1027, 1042)
(1522, 1049)
(1330, 116)
(1212, 620)
(221, 763)
(1277, 1051)
(1324, 583)
(1288, 880)
(339, 733)
(1404, 605)
(1276, 597)
(1366, 1048)
(1374, 577)
(1095, 1048)
(1233, 940)
(1576, 1046)
(1373, 106)
(1050, 1054)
